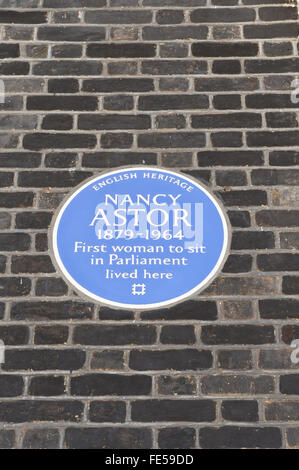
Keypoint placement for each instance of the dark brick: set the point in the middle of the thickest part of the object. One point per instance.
(58, 179)
(11, 386)
(107, 360)
(14, 200)
(166, 33)
(290, 285)
(176, 140)
(110, 384)
(114, 335)
(50, 287)
(177, 334)
(227, 139)
(282, 410)
(51, 334)
(170, 16)
(9, 50)
(32, 264)
(23, 411)
(289, 240)
(175, 102)
(280, 119)
(108, 85)
(33, 220)
(176, 385)
(67, 67)
(277, 30)
(230, 158)
(111, 159)
(60, 122)
(173, 410)
(176, 438)
(277, 218)
(20, 160)
(118, 102)
(50, 310)
(240, 410)
(14, 241)
(173, 50)
(226, 67)
(246, 240)
(63, 85)
(278, 49)
(279, 309)
(238, 264)
(121, 50)
(74, 33)
(66, 51)
(174, 67)
(61, 160)
(292, 437)
(271, 65)
(237, 384)
(171, 121)
(222, 15)
(44, 359)
(26, 17)
(289, 333)
(289, 384)
(40, 141)
(14, 335)
(116, 140)
(278, 13)
(73, 3)
(237, 334)
(107, 412)
(233, 437)
(108, 438)
(41, 242)
(6, 179)
(226, 84)
(14, 68)
(189, 310)
(113, 121)
(235, 359)
(250, 197)
(41, 438)
(231, 178)
(275, 177)
(118, 16)
(67, 103)
(230, 101)
(7, 439)
(284, 158)
(219, 49)
(14, 286)
(235, 120)
(184, 359)
(47, 386)
(278, 262)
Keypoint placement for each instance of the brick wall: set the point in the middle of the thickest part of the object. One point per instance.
(203, 86)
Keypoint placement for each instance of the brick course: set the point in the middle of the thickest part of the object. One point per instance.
(200, 86)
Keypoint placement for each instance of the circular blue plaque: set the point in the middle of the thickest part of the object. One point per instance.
(140, 237)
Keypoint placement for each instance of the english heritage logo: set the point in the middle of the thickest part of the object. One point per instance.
(141, 237)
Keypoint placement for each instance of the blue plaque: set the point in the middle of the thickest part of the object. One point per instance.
(140, 237)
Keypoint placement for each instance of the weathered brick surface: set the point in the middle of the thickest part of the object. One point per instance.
(201, 86)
